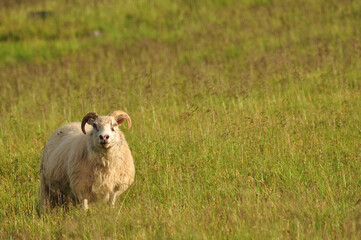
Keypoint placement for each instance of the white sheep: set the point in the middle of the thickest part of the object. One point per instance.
(82, 168)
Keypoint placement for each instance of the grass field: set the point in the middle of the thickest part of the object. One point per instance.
(246, 115)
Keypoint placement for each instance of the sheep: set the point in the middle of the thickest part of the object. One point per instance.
(85, 163)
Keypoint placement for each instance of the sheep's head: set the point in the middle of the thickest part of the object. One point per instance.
(105, 128)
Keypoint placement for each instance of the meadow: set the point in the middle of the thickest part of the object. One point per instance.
(246, 115)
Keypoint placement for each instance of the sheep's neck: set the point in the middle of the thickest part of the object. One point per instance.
(104, 158)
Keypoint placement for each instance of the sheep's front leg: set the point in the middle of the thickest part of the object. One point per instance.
(82, 198)
(79, 183)
(85, 204)
(112, 198)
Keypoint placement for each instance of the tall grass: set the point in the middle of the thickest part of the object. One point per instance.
(246, 115)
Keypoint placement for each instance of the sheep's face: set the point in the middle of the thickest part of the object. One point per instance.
(104, 134)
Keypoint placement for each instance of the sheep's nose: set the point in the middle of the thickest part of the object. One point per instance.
(105, 137)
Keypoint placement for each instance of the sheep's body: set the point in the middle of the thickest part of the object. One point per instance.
(73, 168)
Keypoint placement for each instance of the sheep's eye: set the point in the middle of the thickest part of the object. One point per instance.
(95, 126)
(112, 129)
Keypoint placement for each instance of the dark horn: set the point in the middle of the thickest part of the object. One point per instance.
(90, 115)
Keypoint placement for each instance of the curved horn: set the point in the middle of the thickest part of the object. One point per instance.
(120, 116)
(91, 115)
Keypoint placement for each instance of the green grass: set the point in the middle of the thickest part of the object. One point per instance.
(246, 115)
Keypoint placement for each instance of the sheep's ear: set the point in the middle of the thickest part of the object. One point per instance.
(89, 118)
(120, 116)
(90, 121)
